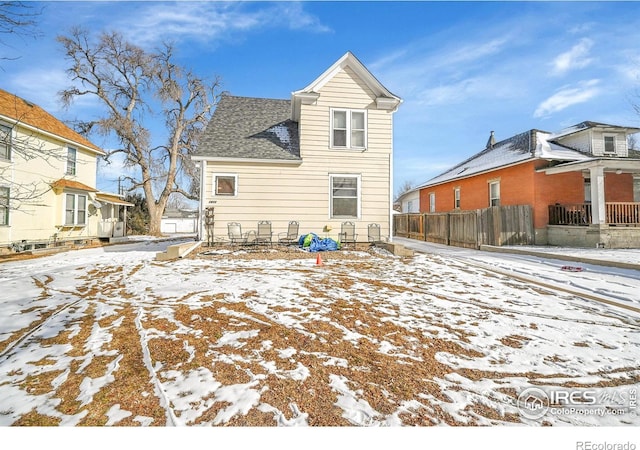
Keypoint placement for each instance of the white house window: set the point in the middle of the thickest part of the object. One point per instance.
(348, 128)
(587, 190)
(456, 198)
(75, 209)
(225, 184)
(494, 193)
(636, 189)
(432, 202)
(5, 142)
(345, 196)
(609, 144)
(4, 205)
(71, 161)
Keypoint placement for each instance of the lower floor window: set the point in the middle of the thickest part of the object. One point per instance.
(75, 209)
(494, 193)
(4, 206)
(345, 196)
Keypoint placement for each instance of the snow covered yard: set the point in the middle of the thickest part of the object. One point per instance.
(109, 336)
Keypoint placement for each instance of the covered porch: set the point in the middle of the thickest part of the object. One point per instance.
(602, 220)
(113, 216)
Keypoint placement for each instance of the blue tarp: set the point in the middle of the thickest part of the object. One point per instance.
(317, 244)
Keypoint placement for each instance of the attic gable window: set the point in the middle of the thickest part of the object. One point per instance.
(348, 128)
(5, 142)
(610, 144)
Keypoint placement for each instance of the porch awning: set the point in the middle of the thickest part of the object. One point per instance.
(63, 183)
(112, 199)
(619, 165)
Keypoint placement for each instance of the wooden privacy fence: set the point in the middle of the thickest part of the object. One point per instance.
(498, 225)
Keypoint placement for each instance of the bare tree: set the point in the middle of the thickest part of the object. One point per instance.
(18, 18)
(405, 187)
(138, 88)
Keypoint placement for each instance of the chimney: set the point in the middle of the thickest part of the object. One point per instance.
(492, 141)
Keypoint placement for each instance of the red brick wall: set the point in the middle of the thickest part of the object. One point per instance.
(522, 185)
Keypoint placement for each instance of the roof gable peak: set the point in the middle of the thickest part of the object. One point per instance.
(309, 94)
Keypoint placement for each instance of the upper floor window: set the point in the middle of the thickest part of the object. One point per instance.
(432, 202)
(494, 193)
(5, 142)
(75, 209)
(71, 161)
(345, 196)
(348, 128)
(4, 205)
(609, 144)
(456, 198)
(225, 184)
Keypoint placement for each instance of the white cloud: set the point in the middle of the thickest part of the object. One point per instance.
(568, 96)
(212, 21)
(576, 58)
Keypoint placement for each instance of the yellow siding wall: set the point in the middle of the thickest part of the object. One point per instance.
(281, 193)
(37, 219)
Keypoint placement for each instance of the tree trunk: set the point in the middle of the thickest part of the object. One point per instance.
(155, 220)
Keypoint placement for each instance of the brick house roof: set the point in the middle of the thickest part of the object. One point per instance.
(19, 110)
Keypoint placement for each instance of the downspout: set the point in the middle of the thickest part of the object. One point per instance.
(390, 212)
(200, 236)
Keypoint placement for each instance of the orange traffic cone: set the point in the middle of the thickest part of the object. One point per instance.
(318, 260)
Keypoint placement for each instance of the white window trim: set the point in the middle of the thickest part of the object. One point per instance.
(358, 199)
(75, 162)
(10, 143)
(456, 198)
(75, 222)
(348, 131)
(235, 184)
(615, 144)
(6, 210)
(432, 202)
(499, 197)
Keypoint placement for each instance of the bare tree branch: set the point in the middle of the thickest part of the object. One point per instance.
(137, 88)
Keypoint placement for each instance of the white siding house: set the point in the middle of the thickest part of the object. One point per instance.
(322, 158)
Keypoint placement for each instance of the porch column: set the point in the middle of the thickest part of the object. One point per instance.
(598, 213)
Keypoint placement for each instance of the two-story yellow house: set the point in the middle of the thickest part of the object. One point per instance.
(322, 158)
(48, 192)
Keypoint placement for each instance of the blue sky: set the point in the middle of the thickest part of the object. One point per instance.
(463, 69)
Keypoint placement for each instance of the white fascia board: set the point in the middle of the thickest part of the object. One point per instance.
(349, 60)
(51, 135)
(605, 163)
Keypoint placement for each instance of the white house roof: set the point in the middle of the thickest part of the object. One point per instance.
(592, 125)
(530, 145)
(384, 98)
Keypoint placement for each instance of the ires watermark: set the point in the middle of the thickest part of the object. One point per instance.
(535, 403)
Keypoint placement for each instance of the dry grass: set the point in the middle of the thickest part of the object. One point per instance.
(189, 339)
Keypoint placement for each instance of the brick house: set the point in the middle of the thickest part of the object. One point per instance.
(583, 184)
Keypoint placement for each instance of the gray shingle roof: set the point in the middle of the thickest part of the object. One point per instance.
(251, 128)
